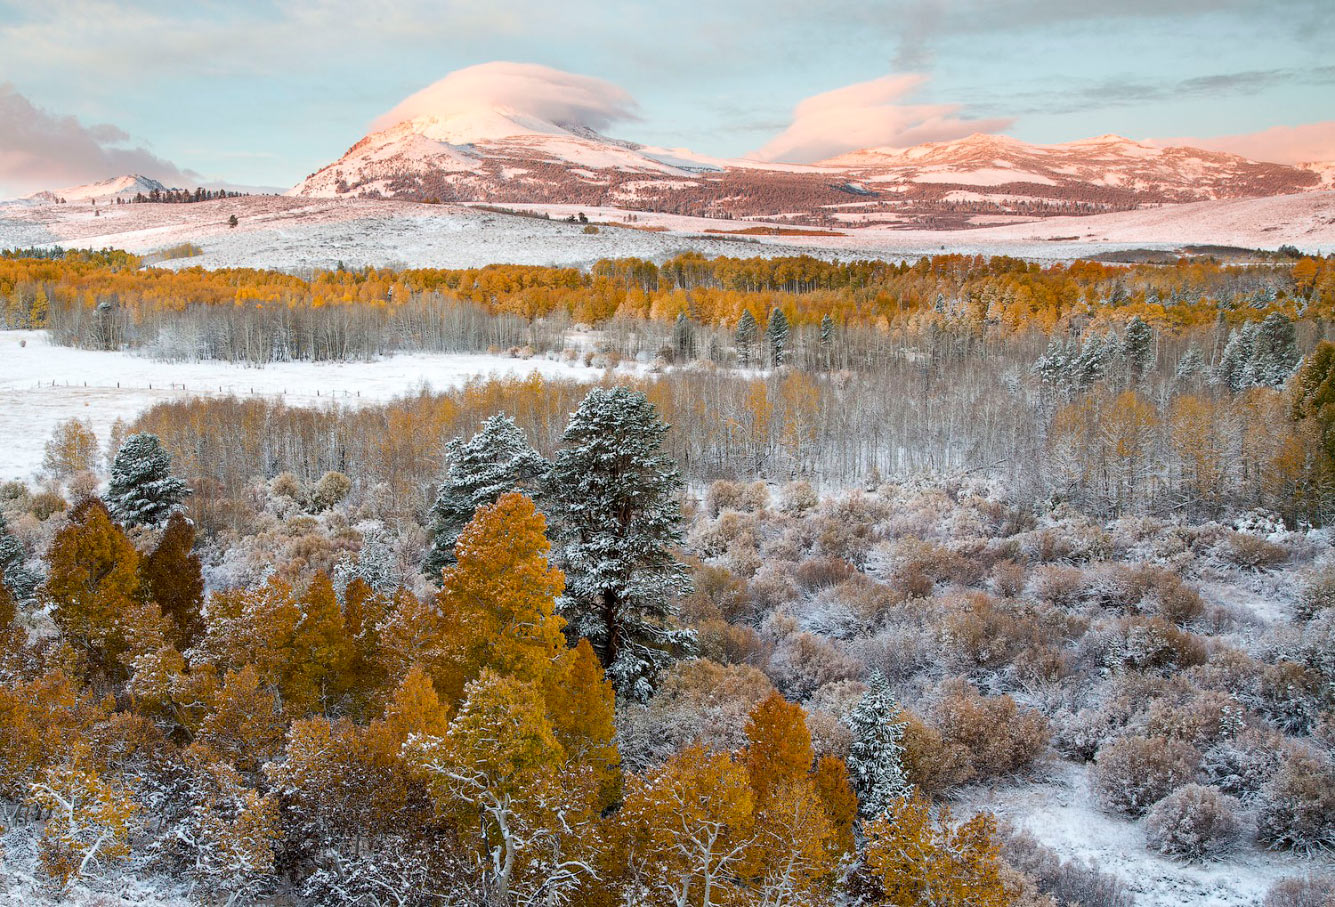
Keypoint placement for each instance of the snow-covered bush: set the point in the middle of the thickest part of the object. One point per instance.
(1132, 774)
(1316, 593)
(1000, 736)
(1242, 765)
(798, 497)
(1067, 882)
(1298, 804)
(803, 662)
(1194, 822)
(1308, 891)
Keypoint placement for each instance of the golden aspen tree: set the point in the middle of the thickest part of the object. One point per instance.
(89, 821)
(92, 581)
(690, 827)
(172, 577)
(916, 859)
(501, 596)
(582, 706)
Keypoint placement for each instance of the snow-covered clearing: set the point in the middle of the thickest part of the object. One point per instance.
(1059, 810)
(299, 233)
(42, 385)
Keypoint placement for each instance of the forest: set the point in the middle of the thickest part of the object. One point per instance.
(792, 608)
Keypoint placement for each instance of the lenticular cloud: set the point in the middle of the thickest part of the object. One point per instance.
(868, 115)
(526, 88)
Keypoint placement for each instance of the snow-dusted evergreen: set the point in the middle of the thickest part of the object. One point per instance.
(777, 335)
(1259, 354)
(876, 756)
(373, 565)
(496, 460)
(618, 522)
(18, 579)
(143, 491)
(1138, 347)
(746, 336)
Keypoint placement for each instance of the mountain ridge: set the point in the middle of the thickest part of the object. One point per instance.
(505, 157)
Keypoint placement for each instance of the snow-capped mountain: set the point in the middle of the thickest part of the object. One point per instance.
(108, 190)
(505, 157)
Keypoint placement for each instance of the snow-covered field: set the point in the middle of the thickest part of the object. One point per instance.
(1059, 811)
(297, 233)
(42, 385)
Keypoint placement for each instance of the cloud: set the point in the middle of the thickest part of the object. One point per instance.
(1281, 144)
(867, 115)
(526, 88)
(41, 150)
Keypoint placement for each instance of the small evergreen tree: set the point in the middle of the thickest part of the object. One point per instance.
(496, 460)
(1138, 348)
(143, 492)
(618, 521)
(777, 335)
(1232, 369)
(17, 578)
(1274, 352)
(876, 756)
(746, 336)
(1191, 364)
(827, 330)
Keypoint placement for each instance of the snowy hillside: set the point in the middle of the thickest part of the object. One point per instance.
(104, 192)
(296, 233)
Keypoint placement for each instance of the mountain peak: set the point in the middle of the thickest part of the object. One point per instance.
(127, 186)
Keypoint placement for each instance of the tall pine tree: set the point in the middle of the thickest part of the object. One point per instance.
(14, 575)
(876, 756)
(746, 336)
(143, 491)
(496, 460)
(618, 521)
(777, 335)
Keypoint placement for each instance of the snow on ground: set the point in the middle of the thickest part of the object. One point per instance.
(299, 233)
(1059, 811)
(104, 386)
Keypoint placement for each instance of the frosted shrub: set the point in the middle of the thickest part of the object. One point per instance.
(1241, 766)
(1000, 736)
(1059, 585)
(1202, 720)
(1316, 592)
(1252, 552)
(723, 495)
(1194, 822)
(798, 497)
(803, 662)
(332, 488)
(1067, 882)
(1312, 891)
(1009, 578)
(1298, 804)
(755, 497)
(1133, 773)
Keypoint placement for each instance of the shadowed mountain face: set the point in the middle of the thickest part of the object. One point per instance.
(509, 158)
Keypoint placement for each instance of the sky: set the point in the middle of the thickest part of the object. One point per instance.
(264, 92)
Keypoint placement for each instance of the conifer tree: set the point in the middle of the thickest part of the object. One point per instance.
(142, 491)
(777, 335)
(496, 460)
(17, 578)
(876, 756)
(683, 338)
(619, 521)
(746, 336)
(1274, 352)
(1138, 347)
